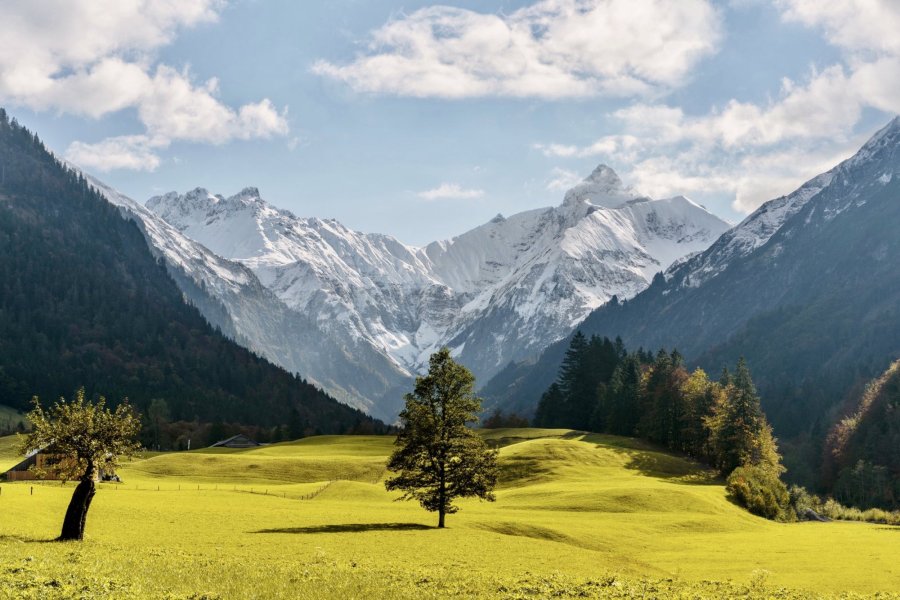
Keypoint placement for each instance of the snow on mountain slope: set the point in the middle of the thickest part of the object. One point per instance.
(754, 231)
(497, 293)
(231, 297)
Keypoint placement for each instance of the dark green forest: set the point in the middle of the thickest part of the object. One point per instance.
(862, 452)
(603, 388)
(84, 303)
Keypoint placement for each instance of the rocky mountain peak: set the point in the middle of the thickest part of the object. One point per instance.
(602, 187)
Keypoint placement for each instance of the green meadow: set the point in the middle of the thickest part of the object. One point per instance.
(576, 515)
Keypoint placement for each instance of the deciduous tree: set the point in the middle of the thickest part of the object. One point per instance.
(438, 457)
(86, 438)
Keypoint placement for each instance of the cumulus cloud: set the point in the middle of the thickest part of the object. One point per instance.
(134, 152)
(758, 151)
(857, 25)
(562, 180)
(96, 57)
(450, 191)
(550, 49)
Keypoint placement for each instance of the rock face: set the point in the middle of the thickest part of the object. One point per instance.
(377, 308)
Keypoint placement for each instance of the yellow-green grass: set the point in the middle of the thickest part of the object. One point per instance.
(576, 514)
(9, 452)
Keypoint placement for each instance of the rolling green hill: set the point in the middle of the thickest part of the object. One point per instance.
(577, 515)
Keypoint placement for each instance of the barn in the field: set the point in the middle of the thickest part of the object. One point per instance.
(38, 464)
(237, 441)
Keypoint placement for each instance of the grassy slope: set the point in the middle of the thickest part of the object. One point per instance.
(571, 510)
(9, 452)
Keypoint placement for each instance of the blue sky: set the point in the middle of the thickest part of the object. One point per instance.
(422, 120)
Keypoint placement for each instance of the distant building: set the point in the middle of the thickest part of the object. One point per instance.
(237, 441)
(40, 460)
(41, 465)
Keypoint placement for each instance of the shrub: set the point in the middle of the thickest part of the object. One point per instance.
(760, 491)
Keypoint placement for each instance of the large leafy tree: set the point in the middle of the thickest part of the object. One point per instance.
(438, 457)
(84, 437)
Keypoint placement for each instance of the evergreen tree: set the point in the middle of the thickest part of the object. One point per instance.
(662, 404)
(741, 434)
(438, 457)
(623, 397)
(549, 409)
(574, 381)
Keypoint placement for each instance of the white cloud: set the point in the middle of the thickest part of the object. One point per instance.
(96, 57)
(551, 49)
(856, 25)
(757, 151)
(450, 191)
(562, 180)
(608, 145)
(134, 152)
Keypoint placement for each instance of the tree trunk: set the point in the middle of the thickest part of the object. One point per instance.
(442, 497)
(76, 514)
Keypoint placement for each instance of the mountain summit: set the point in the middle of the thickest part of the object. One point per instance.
(602, 188)
(498, 293)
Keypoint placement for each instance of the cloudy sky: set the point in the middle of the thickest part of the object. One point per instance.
(422, 120)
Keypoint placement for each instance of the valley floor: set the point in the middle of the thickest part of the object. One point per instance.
(576, 515)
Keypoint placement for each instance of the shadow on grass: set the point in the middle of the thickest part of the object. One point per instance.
(349, 528)
(655, 461)
(20, 539)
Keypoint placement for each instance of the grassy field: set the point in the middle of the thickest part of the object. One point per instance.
(576, 516)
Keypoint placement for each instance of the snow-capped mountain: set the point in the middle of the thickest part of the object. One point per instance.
(231, 297)
(500, 292)
(759, 227)
(806, 289)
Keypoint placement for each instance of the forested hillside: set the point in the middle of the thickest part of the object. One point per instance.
(83, 302)
(862, 454)
(812, 300)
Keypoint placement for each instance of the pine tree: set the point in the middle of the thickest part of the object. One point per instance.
(438, 457)
(573, 382)
(550, 407)
(623, 397)
(741, 434)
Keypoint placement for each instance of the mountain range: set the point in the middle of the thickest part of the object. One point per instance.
(807, 288)
(360, 313)
(84, 302)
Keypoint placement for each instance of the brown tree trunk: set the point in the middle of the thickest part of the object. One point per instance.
(442, 498)
(76, 514)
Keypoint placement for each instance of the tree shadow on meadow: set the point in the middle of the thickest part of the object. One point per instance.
(19, 539)
(655, 461)
(350, 528)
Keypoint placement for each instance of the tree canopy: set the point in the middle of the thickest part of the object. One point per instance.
(439, 457)
(84, 438)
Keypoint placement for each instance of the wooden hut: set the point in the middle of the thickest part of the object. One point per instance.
(36, 460)
(237, 441)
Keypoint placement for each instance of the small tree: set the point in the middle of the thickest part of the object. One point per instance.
(87, 437)
(438, 457)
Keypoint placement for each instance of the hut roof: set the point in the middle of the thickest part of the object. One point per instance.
(236, 441)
